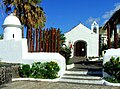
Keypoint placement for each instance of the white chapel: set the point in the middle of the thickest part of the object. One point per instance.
(84, 42)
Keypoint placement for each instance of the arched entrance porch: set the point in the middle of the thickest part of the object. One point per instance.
(80, 48)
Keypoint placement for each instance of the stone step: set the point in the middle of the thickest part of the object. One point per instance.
(84, 72)
(83, 77)
(80, 69)
(89, 65)
(89, 62)
(82, 81)
(79, 76)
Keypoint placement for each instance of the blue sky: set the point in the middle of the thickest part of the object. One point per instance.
(65, 14)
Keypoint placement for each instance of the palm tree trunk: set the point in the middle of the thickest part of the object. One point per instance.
(37, 40)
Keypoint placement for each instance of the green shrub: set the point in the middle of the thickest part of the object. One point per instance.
(46, 70)
(66, 52)
(112, 80)
(112, 67)
(52, 70)
(24, 71)
(36, 70)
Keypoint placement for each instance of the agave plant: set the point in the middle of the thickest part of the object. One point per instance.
(112, 67)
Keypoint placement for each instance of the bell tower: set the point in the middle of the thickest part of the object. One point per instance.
(95, 27)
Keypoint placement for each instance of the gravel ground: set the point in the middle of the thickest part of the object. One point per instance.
(51, 85)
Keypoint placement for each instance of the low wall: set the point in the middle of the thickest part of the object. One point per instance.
(12, 51)
(30, 58)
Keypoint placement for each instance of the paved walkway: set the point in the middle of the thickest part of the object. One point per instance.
(51, 85)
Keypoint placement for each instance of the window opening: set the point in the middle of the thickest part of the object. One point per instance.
(13, 35)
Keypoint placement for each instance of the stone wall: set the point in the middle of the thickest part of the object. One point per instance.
(7, 73)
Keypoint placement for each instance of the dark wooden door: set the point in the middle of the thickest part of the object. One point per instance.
(80, 49)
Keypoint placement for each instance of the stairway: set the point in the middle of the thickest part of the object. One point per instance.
(84, 73)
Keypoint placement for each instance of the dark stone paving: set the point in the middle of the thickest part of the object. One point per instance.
(77, 59)
(83, 64)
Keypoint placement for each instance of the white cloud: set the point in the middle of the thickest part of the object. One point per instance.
(117, 6)
(108, 14)
(104, 22)
(91, 19)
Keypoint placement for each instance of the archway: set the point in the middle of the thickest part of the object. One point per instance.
(80, 48)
